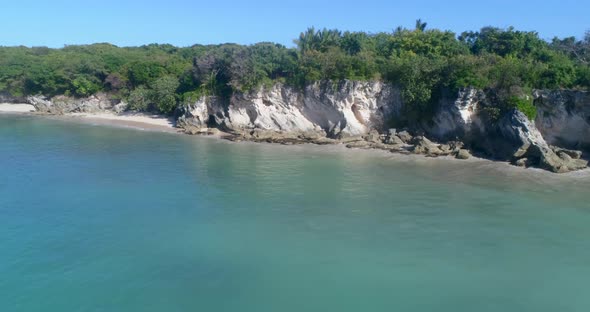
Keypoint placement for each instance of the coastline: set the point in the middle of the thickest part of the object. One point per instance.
(16, 108)
(140, 121)
(159, 123)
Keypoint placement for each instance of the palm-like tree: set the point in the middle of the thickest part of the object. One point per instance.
(420, 26)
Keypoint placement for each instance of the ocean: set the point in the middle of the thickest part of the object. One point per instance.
(99, 218)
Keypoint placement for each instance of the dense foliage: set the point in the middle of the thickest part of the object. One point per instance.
(425, 63)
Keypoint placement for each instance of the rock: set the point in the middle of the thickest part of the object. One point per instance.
(195, 130)
(121, 107)
(404, 136)
(463, 154)
(195, 115)
(522, 162)
(394, 140)
(398, 148)
(446, 148)
(63, 104)
(347, 140)
(324, 141)
(458, 117)
(563, 117)
(359, 144)
(571, 153)
(336, 110)
(373, 136)
(424, 146)
(527, 142)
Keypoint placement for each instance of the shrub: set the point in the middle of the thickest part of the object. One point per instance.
(139, 99)
(525, 105)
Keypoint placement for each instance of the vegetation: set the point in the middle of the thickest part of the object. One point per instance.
(424, 62)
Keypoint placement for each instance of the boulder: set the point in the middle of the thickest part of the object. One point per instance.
(463, 154)
(522, 162)
(424, 146)
(121, 107)
(571, 153)
(405, 136)
(373, 136)
(525, 141)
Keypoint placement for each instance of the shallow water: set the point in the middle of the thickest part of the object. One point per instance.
(96, 218)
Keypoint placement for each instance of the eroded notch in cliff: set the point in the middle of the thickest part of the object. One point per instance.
(357, 114)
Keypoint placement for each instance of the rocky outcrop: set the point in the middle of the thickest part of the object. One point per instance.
(458, 118)
(563, 117)
(11, 99)
(512, 138)
(62, 104)
(527, 143)
(357, 113)
(329, 109)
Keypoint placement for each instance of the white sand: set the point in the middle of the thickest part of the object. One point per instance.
(16, 108)
(135, 120)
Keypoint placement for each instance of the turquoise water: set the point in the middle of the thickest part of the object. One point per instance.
(96, 218)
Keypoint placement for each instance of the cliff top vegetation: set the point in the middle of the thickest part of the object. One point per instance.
(424, 62)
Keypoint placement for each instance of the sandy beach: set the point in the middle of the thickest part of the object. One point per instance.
(143, 121)
(16, 108)
(130, 119)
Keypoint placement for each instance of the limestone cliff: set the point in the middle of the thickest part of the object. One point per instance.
(331, 109)
(563, 117)
(514, 137)
(359, 114)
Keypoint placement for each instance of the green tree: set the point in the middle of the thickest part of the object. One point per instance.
(140, 99)
(163, 94)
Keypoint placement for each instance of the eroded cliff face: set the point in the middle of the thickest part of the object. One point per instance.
(458, 118)
(330, 109)
(513, 137)
(563, 117)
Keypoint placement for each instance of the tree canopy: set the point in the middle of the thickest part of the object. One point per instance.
(423, 62)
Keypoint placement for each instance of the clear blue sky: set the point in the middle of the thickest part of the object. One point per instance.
(183, 22)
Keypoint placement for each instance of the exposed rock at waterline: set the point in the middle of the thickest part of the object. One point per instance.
(527, 142)
(463, 154)
(357, 114)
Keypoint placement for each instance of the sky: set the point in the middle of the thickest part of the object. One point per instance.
(55, 23)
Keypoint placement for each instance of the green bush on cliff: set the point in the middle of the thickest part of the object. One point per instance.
(525, 105)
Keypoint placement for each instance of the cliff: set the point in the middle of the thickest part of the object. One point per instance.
(359, 114)
(335, 110)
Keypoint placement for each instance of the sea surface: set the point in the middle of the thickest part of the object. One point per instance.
(97, 218)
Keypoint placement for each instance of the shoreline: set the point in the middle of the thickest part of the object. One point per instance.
(17, 108)
(159, 123)
(139, 121)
